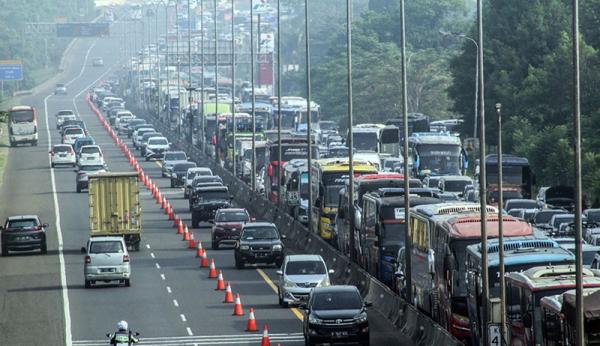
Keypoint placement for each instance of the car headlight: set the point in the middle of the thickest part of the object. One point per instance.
(288, 283)
(277, 247)
(244, 247)
(314, 320)
(324, 283)
(362, 317)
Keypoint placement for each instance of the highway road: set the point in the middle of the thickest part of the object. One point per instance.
(171, 300)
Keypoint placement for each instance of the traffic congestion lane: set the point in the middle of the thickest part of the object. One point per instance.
(31, 304)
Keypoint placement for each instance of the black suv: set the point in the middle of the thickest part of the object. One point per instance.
(24, 232)
(259, 242)
(201, 182)
(179, 173)
(207, 201)
(335, 314)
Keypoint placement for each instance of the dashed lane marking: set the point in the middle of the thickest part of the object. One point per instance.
(269, 282)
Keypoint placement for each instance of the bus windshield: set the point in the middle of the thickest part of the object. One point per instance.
(288, 152)
(439, 159)
(512, 175)
(24, 116)
(365, 141)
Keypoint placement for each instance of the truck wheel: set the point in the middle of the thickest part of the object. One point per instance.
(44, 247)
(88, 284)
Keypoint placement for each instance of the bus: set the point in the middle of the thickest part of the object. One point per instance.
(22, 125)
(262, 110)
(328, 177)
(440, 234)
(517, 176)
(417, 122)
(294, 185)
(559, 316)
(376, 138)
(362, 185)
(382, 232)
(437, 154)
(520, 253)
(243, 122)
(525, 290)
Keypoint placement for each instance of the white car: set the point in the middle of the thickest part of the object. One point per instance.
(62, 154)
(62, 118)
(122, 114)
(90, 155)
(122, 123)
(156, 148)
(106, 259)
(191, 174)
(136, 138)
(71, 134)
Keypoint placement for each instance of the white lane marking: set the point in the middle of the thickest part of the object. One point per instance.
(162, 276)
(183, 319)
(147, 246)
(157, 265)
(169, 289)
(175, 302)
(61, 257)
(247, 339)
(189, 331)
(152, 254)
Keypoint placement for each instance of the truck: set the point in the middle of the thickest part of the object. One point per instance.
(115, 210)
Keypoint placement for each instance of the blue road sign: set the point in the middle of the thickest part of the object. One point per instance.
(11, 70)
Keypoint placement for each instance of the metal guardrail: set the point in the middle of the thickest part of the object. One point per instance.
(421, 329)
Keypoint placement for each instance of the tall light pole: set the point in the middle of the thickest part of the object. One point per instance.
(501, 228)
(350, 132)
(407, 234)
(158, 85)
(190, 99)
(253, 172)
(202, 115)
(308, 113)
(168, 96)
(576, 104)
(217, 83)
(482, 177)
(233, 86)
(279, 154)
(178, 68)
(463, 36)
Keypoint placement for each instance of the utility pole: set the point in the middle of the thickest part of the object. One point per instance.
(350, 215)
(253, 173)
(501, 229)
(202, 114)
(482, 179)
(233, 162)
(218, 158)
(168, 96)
(190, 88)
(178, 71)
(576, 103)
(279, 154)
(308, 116)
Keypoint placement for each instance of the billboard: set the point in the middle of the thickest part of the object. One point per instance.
(98, 29)
(11, 70)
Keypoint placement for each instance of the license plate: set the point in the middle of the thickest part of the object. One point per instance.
(62, 155)
(342, 334)
(107, 270)
(89, 158)
(24, 238)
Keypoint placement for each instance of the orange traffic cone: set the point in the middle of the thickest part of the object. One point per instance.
(142, 176)
(180, 227)
(204, 260)
(212, 273)
(220, 282)
(191, 241)
(171, 215)
(251, 325)
(164, 205)
(237, 308)
(159, 198)
(199, 250)
(186, 235)
(175, 221)
(153, 189)
(228, 294)
(265, 338)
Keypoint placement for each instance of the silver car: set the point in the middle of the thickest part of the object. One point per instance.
(170, 159)
(106, 260)
(298, 275)
(82, 177)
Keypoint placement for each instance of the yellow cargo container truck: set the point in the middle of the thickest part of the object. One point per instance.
(115, 207)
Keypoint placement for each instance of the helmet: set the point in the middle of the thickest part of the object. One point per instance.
(122, 326)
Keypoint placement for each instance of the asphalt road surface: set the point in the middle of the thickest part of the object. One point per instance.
(171, 301)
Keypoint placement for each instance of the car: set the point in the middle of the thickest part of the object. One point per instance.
(80, 142)
(191, 174)
(145, 139)
(124, 114)
(138, 136)
(530, 204)
(260, 242)
(558, 219)
(90, 155)
(171, 159)
(60, 89)
(207, 201)
(106, 260)
(62, 154)
(123, 123)
(336, 314)
(454, 184)
(23, 233)
(179, 173)
(200, 182)
(111, 100)
(65, 112)
(592, 215)
(156, 148)
(298, 275)
(134, 124)
(60, 119)
(76, 123)
(390, 164)
(98, 62)
(228, 226)
(81, 180)
(71, 134)
(557, 197)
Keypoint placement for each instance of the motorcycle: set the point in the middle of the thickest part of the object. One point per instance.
(123, 339)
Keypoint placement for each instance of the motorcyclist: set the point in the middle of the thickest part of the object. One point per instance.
(123, 335)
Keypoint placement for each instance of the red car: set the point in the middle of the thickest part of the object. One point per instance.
(23, 233)
(228, 226)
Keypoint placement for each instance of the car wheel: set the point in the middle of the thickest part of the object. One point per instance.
(239, 264)
(307, 341)
(44, 247)
(78, 188)
(147, 158)
(215, 245)
(34, 143)
(366, 342)
(282, 302)
(52, 165)
(195, 221)
(88, 283)
(127, 282)
(278, 263)
(172, 184)
(4, 250)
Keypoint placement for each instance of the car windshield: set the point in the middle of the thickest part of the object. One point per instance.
(175, 157)
(90, 150)
(183, 167)
(546, 216)
(91, 168)
(345, 300)
(81, 143)
(524, 204)
(106, 247)
(213, 195)
(456, 185)
(65, 112)
(207, 179)
(24, 223)
(305, 268)
(562, 219)
(158, 141)
(74, 131)
(62, 149)
(232, 216)
(255, 233)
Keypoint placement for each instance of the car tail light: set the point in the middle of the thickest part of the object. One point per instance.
(88, 259)
(125, 258)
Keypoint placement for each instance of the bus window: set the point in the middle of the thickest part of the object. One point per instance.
(22, 116)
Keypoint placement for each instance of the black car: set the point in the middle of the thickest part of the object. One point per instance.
(24, 232)
(336, 314)
(179, 173)
(200, 182)
(259, 242)
(207, 201)
(135, 124)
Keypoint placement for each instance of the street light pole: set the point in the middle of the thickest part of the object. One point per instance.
(350, 122)
(158, 85)
(190, 99)
(253, 171)
(217, 84)
(202, 115)
(501, 268)
(308, 115)
(178, 115)
(168, 96)
(233, 87)
(279, 154)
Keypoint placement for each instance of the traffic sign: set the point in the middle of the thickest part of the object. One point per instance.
(494, 336)
(11, 70)
(83, 29)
